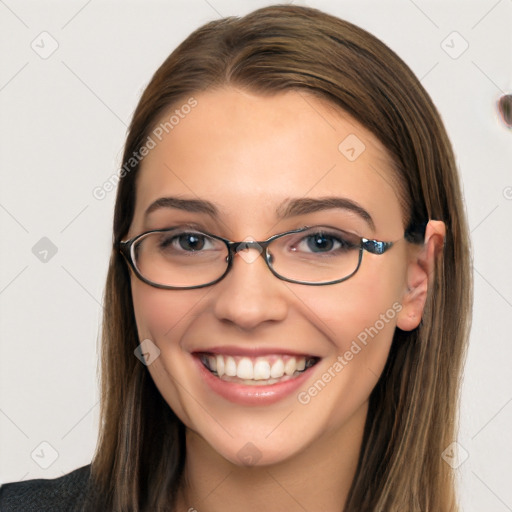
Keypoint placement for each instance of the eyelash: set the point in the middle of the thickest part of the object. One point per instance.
(344, 243)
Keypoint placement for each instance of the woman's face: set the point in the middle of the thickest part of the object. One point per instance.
(251, 157)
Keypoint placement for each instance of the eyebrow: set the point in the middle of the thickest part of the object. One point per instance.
(304, 205)
(289, 208)
(188, 205)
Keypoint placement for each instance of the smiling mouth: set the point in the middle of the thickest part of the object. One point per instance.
(256, 371)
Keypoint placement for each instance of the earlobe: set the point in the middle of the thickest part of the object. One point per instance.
(420, 273)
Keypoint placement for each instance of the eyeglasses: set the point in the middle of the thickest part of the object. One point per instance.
(184, 258)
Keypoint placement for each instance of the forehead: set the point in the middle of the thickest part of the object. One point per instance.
(247, 153)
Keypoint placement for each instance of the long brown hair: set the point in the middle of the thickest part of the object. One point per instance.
(140, 456)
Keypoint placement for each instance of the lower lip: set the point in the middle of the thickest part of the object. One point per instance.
(251, 395)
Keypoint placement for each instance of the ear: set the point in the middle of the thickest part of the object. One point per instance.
(420, 273)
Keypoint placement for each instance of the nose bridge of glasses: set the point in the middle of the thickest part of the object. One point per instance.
(248, 244)
(243, 249)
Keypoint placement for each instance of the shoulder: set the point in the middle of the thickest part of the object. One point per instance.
(66, 493)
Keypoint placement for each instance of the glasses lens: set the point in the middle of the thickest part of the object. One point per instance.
(180, 257)
(317, 255)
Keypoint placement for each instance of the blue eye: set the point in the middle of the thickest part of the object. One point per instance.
(321, 242)
(186, 241)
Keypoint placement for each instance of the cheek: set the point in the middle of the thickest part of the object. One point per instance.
(160, 313)
(358, 317)
(360, 314)
(163, 316)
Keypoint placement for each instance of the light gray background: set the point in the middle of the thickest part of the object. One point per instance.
(62, 128)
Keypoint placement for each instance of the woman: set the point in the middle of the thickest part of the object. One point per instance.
(287, 303)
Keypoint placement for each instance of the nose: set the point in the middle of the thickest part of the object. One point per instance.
(250, 294)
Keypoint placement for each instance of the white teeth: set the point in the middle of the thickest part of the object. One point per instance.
(261, 370)
(220, 365)
(258, 369)
(260, 382)
(230, 366)
(277, 369)
(290, 366)
(244, 370)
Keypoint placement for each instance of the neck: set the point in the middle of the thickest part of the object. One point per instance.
(317, 478)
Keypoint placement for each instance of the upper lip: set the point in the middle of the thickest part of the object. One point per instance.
(230, 350)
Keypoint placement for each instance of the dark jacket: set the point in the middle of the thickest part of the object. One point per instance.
(64, 494)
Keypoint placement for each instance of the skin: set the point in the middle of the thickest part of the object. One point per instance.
(248, 153)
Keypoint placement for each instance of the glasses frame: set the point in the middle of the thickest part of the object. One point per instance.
(378, 247)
